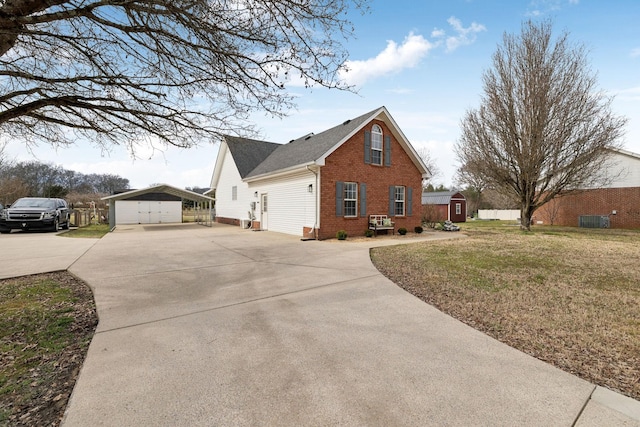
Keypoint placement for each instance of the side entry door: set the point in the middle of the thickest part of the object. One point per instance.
(264, 212)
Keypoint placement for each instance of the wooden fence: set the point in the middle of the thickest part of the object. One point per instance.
(80, 218)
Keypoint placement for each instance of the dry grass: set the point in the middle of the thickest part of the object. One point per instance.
(46, 324)
(570, 297)
(94, 231)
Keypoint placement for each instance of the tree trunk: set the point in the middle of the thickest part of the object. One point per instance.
(526, 213)
(525, 221)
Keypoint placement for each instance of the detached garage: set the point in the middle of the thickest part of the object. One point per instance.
(160, 204)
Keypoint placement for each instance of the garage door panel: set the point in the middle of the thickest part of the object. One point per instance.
(148, 212)
(126, 212)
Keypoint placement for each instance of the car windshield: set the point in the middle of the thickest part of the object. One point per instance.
(34, 203)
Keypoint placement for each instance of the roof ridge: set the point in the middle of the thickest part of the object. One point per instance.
(309, 147)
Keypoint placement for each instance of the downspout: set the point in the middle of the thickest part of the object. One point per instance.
(315, 221)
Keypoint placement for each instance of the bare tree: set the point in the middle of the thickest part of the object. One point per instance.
(11, 189)
(432, 166)
(552, 209)
(542, 127)
(162, 71)
(37, 179)
(494, 199)
(473, 185)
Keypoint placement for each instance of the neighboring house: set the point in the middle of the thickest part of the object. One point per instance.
(321, 183)
(619, 199)
(158, 204)
(444, 205)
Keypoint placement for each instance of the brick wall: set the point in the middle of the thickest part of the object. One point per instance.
(566, 210)
(347, 164)
(230, 221)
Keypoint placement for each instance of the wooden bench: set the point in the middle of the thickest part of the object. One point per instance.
(381, 222)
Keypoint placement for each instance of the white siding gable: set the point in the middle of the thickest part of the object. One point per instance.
(228, 178)
(624, 170)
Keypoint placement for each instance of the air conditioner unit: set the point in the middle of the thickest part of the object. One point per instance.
(244, 223)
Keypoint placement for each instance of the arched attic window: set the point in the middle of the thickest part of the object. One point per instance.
(376, 145)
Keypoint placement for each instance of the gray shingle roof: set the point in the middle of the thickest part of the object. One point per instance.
(249, 153)
(438, 197)
(308, 148)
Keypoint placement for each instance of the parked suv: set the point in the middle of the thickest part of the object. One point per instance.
(35, 213)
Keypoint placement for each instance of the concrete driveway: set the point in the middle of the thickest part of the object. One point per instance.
(33, 252)
(228, 327)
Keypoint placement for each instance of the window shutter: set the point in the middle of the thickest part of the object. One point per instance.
(367, 147)
(363, 199)
(392, 201)
(339, 198)
(387, 150)
(409, 201)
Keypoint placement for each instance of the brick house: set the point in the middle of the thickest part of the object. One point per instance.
(619, 200)
(320, 183)
(444, 205)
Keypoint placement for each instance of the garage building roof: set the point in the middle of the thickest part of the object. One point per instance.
(161, 188)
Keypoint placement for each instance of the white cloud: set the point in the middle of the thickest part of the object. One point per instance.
(631, 94)
(539, 8)
(463, 37)
(393, 59)
(438, 33)
(635, 53)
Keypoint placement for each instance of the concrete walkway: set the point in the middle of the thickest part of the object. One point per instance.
(227, 327)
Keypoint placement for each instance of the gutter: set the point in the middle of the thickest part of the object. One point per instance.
(278, 173)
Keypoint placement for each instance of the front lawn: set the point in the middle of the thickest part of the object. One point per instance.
(568, 296)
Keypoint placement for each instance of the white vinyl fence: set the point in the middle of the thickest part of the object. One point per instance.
(501, 214)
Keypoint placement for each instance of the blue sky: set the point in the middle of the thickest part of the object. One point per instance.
(423, 60)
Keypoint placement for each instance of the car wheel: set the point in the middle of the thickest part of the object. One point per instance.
(5, 231)
(56, 225)
(67, 224)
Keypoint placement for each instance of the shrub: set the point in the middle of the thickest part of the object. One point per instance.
(418, 229)
(341, 235)
(402, 231)
(368, 233)
(430, 216)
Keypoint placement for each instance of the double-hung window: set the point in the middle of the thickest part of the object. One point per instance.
(376, 145)
(350, 199)
(399, 201)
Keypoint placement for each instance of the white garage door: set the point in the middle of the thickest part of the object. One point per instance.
(147, 212)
